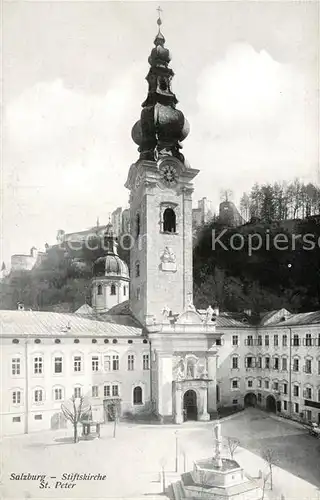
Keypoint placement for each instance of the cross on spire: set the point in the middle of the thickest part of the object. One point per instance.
(159, 21)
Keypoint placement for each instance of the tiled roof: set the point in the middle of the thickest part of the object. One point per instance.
(50, 323)
(85, 309)
(232, 320)
(303, 319)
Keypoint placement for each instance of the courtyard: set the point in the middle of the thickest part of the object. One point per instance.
(131, 462)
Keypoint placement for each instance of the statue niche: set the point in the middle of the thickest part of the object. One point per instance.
(190, 368)
(168, 260)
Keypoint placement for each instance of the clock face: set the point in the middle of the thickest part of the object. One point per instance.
(169, 174)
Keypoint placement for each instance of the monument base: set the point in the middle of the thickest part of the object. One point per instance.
(209, 481)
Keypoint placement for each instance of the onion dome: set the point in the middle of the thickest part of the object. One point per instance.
(110, 264)
(161, 127)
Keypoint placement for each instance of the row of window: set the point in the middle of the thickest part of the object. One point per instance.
(275, 363)
(276, 386)
(113, 289)
(107, 362)
(77, 341)
(108, 390)
(296, 341)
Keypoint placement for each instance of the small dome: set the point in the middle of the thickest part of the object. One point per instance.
(110, 265)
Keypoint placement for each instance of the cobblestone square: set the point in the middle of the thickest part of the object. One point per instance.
(133, 459)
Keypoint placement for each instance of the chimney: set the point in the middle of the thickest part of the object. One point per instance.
(20, 306)
(248, 312)
(216, 310)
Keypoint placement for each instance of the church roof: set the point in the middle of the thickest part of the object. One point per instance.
(24, 323)
(110, 265)
(310, 318)
(84, 309)
(121, 313)
(232, 320)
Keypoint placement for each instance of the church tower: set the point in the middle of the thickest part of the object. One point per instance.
(160, 185)
(110, 282)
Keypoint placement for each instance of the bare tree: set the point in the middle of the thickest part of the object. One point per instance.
(265, 478)
(232, 445)
(226, 194)
(76, 410)
(269, 456)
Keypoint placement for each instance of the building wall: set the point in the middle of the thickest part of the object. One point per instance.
(27, 381)
(152, 290)
(203, 214)
(271, 381)
(105, 301)
(23, 262)
(116, 220)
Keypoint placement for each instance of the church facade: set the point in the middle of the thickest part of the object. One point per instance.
(161, 184)
(144, 347)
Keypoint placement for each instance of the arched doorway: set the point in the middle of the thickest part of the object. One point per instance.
(271, 404)
(250, 399)
(190, 405)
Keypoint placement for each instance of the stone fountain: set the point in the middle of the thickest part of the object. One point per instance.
(216, 478)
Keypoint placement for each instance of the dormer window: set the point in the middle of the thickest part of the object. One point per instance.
(169, 221)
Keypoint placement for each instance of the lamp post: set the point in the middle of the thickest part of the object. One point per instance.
(177, 451)
(26, 396)
(290, 368)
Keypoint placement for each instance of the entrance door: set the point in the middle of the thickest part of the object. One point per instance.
(271, 404)
(250, 399)
(190, 405)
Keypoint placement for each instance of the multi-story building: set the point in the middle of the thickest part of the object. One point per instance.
(120, 220)
(272, 362)
(203, 213)
(21, 262)
(48, 357)
(156, 352)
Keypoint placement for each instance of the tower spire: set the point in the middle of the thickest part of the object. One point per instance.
(162, 127)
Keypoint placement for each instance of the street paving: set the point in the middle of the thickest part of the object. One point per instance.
(133, 459)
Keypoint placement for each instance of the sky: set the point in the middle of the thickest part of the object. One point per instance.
(246, 77)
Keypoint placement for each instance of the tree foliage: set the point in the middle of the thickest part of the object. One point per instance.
(62, 282)
(280, 201)
(268, 278)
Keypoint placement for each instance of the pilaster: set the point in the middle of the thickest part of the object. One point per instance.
(212, 375)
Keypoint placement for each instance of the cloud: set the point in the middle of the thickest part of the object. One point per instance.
(67, 156)
(67, 152)
(254, 122)
(245, 86)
